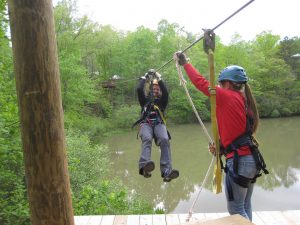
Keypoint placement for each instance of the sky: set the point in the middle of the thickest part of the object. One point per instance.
(277, 16)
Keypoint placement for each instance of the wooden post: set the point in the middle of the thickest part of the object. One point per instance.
(41, 114)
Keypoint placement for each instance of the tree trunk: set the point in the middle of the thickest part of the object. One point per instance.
(41, 114)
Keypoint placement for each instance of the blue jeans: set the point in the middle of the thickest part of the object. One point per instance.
(147, 133)
(241, 203)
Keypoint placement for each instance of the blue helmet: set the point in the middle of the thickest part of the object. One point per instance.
(233, 73)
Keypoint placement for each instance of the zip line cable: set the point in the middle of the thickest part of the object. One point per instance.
(202, 35)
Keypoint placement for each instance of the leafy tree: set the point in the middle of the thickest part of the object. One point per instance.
(77, 87)
(289, 47)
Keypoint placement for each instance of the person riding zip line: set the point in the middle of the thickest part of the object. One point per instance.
(153, 98)
(237, 118)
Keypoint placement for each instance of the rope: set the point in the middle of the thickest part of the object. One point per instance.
(183, 83)
(201, 187)
(202, 35)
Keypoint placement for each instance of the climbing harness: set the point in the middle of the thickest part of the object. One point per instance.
(152, 114)
(246, 139)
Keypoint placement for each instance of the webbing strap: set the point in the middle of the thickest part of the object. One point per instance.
(217, 178)
(161, 114)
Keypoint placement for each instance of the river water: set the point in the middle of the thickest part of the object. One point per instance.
(280, 190)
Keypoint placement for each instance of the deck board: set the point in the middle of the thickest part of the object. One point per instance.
(94, 220)
(146, 219)
(159, 219)
(256, 219)
(133, 219)
(259, 218)
(268, 218)
(172, 219)
(107, 220)
(292, 216)
(120, 220)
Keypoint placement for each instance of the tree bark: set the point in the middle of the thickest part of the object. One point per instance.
(41, 114)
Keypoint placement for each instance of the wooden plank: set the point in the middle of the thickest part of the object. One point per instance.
(94, 220)
(228, 220)
(107, 220)
(292, 216)
(145, 219)
(223, 214)
(172, 219)
(200, 217)
(296, 214)
(133, 219)
(211, 216)
(120, 220)
(267, 218)
(159, 219)
(256, 219)
(81, 220)
(182, 217)
(279, 217)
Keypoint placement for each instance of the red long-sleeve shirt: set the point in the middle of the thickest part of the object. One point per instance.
(230, 107)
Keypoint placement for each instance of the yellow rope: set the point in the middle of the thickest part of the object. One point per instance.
(161, 114)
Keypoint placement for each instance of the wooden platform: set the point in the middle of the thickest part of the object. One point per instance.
(291, 217)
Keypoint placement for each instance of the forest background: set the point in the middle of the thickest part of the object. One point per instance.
(90, 57)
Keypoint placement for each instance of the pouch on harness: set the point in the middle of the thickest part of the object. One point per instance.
(152, 115)
(245, 139)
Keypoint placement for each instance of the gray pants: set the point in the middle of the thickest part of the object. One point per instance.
(147, 133)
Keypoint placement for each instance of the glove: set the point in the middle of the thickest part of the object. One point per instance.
(181, 58)
(144, 77)
(209, 40)
(150, 74)
(158, 76)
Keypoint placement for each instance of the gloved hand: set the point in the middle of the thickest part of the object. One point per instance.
(181, 58)
(209, 40)
(158, 76)
(151, 74)
(144, 77)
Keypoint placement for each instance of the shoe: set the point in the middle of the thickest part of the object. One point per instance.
(172, 175)
(148, 168)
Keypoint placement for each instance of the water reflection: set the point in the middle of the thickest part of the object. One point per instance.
(279, 143)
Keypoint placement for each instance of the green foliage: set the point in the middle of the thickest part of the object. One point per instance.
(275, 113)
(93, 194)
(88, 163)
(109, 198)
(287, 49)
(181, 111)
(125, 116)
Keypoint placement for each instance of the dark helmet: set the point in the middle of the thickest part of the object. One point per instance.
(233, 73)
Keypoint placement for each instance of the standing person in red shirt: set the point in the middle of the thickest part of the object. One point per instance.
(237, 119)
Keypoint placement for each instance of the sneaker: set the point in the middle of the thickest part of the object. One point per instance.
(148, 168)
(172, 175)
